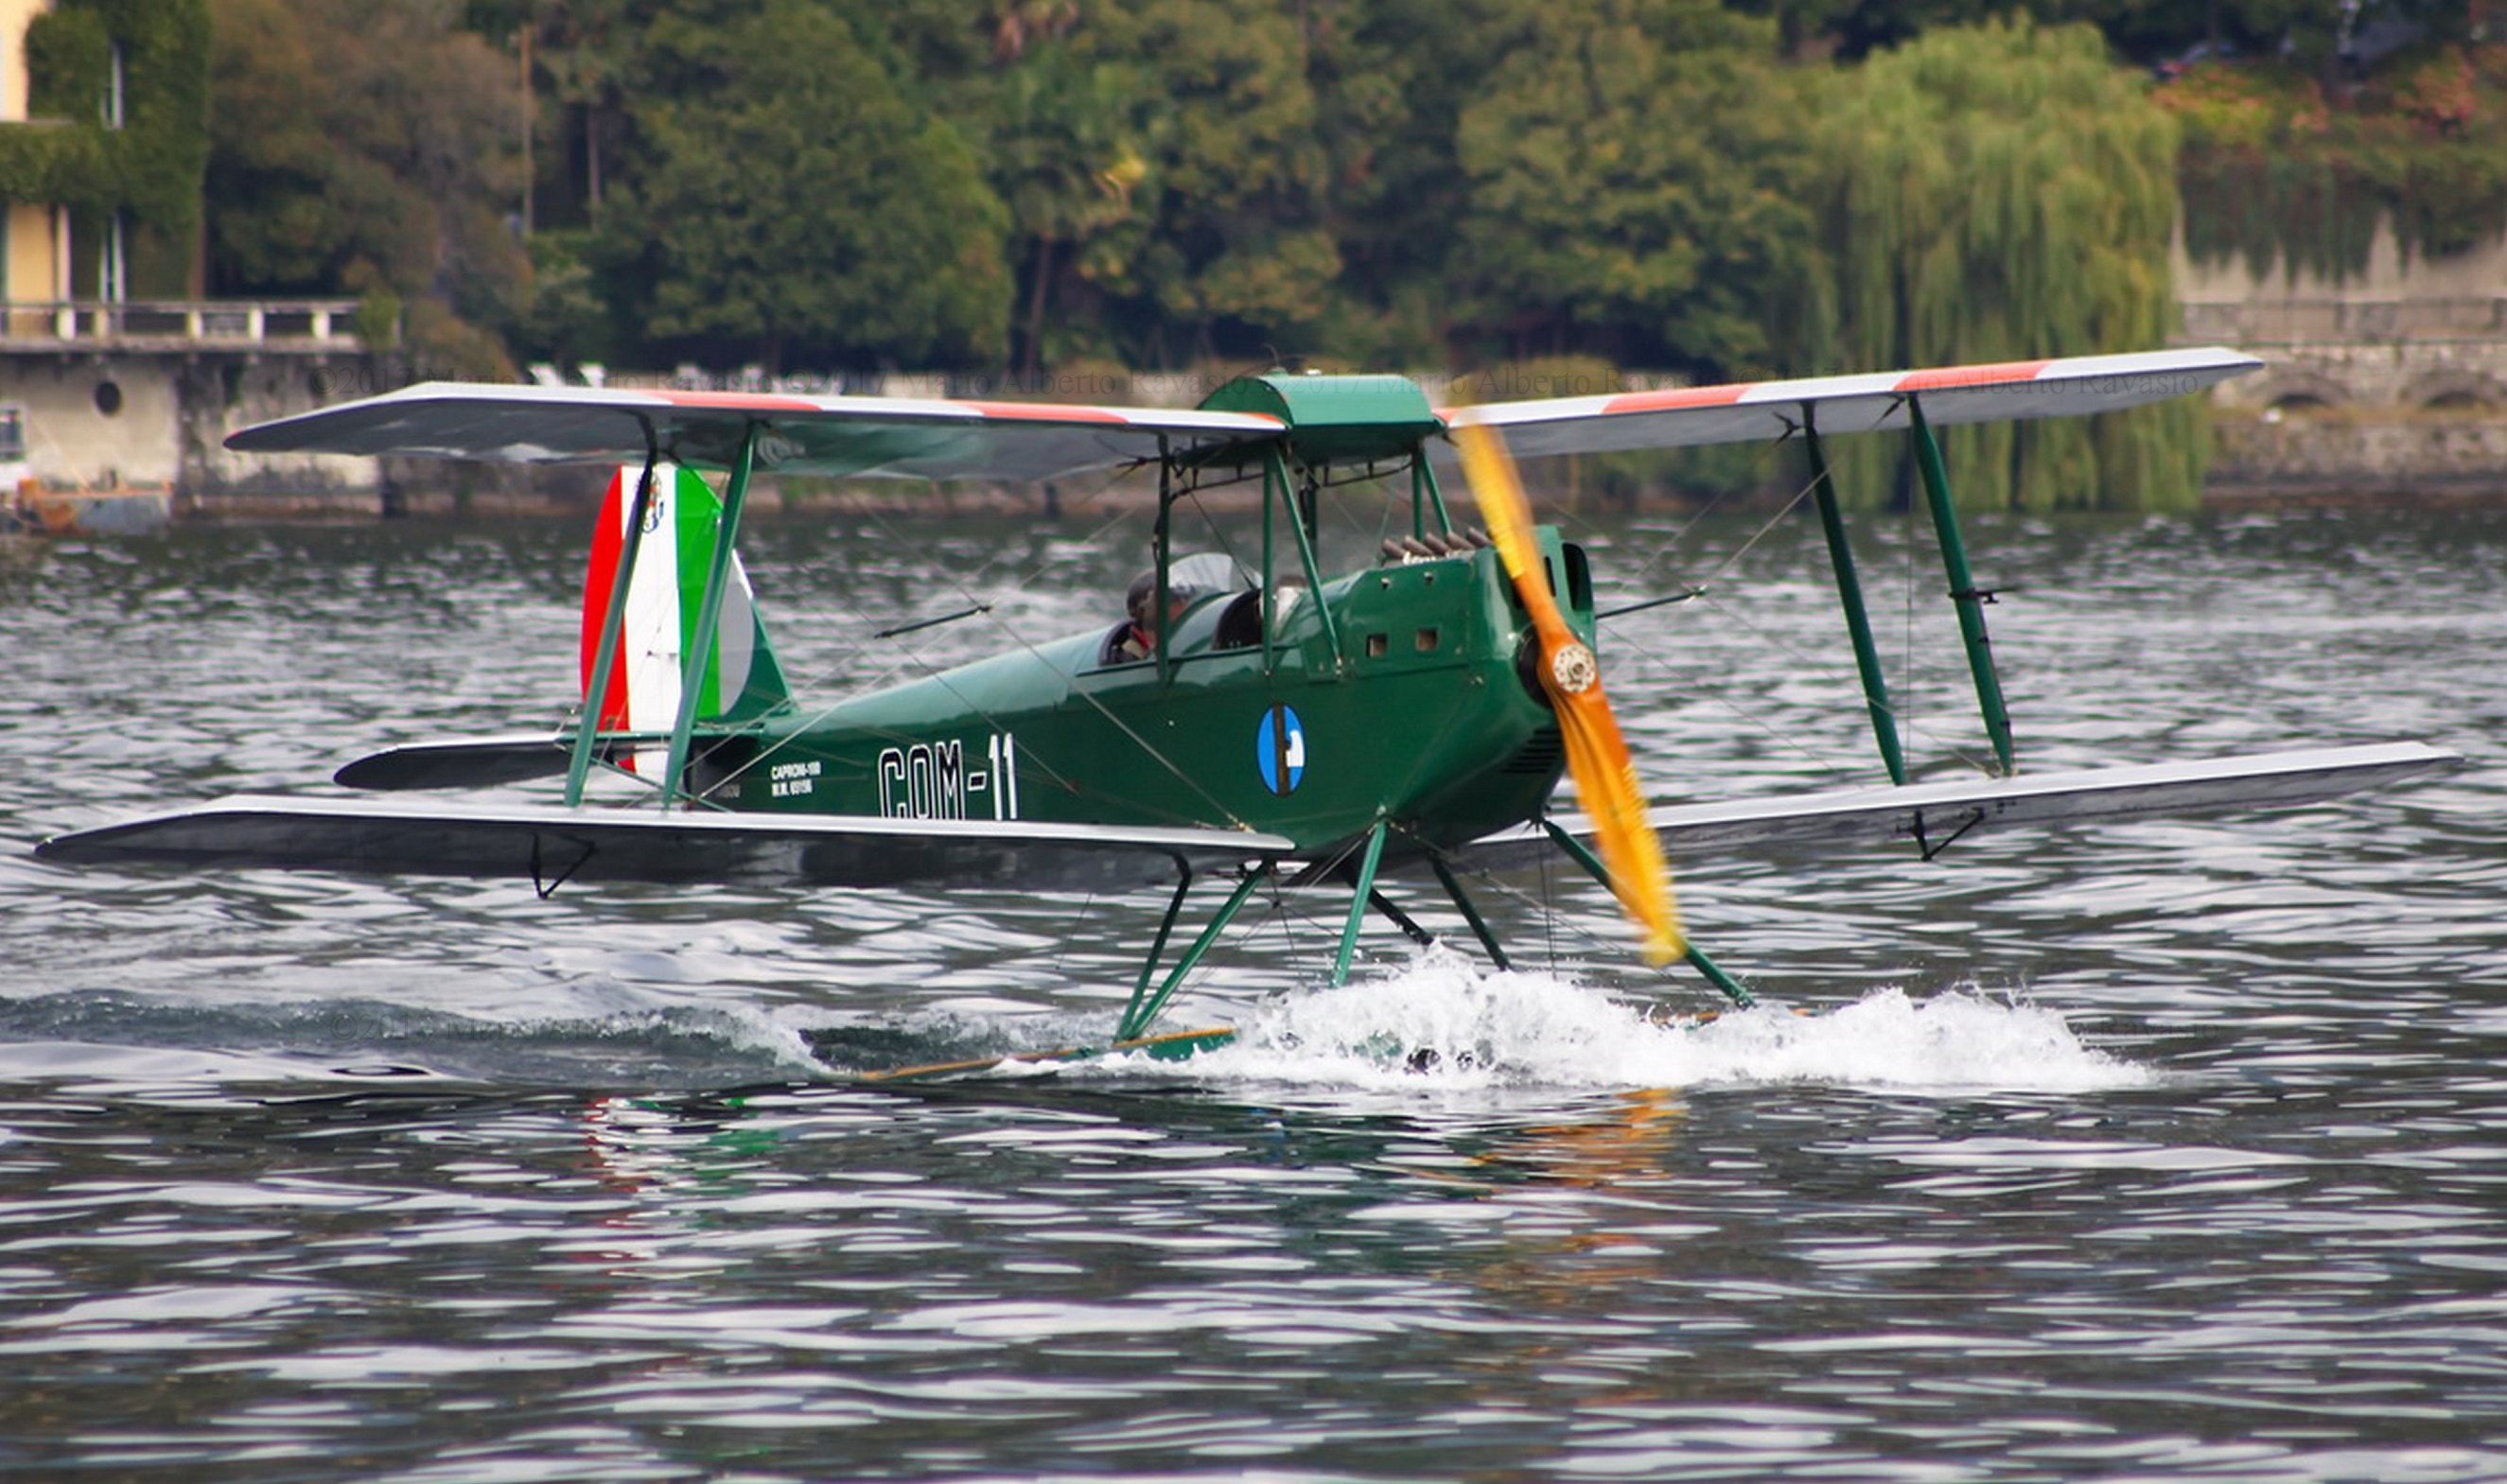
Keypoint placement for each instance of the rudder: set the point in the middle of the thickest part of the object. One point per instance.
(665, 594)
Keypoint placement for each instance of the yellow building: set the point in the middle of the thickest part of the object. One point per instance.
(34, 237)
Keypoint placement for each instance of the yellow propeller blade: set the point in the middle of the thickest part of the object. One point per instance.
(1597, 755)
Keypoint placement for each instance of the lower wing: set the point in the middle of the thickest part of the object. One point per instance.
(550, 846)
(1932, 815)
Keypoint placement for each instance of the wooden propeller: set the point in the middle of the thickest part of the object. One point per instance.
(1597, 756)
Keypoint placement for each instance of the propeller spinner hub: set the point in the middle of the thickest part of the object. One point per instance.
(1573, 669)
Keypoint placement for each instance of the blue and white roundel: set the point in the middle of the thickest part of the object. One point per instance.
(1280, 747)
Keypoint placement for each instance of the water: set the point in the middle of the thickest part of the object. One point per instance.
(2166, 1151)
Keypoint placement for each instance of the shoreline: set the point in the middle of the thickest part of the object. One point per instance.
(351, 507)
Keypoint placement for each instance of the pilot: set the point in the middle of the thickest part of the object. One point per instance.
(1140, 600)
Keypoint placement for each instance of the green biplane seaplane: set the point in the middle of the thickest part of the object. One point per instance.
(1261, 721)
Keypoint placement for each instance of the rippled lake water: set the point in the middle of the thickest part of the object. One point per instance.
(2161, 1151)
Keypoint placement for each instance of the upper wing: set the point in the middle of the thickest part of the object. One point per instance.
(550, 846)
(1930, 814)
(1756, 411)
(839, 436)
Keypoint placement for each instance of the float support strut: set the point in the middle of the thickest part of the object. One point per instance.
(1140, 1013)
(1470, 913)
(1158, 944)
(1963, 590)
(1392, 913)
(1367, 863)
(1696, 957)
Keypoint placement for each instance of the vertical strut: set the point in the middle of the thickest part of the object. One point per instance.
(604, 660)
(1963, 590)
(1299, 518)
(1425, 497)
(1270, 586)
(699, 655)
(1164, 542)
(1849, 596)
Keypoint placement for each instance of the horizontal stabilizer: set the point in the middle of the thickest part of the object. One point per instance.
(548, 845)
(465, 762)
(1928, 814)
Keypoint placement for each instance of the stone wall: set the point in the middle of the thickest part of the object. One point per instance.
(226, 394)
(98, 422)
(2390, 381)
(2272, 456)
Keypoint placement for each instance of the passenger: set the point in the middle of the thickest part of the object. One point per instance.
(1140, 600)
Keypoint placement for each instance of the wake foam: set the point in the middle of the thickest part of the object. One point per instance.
(596, 1034)
(1442, 1022)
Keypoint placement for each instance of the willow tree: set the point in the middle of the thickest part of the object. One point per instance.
(2001, 193)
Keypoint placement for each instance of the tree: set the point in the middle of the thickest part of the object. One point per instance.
(2000, 193)
(1067, 158)
(787, 202)
(369, 150)
(1635, 172)
(1232, 249)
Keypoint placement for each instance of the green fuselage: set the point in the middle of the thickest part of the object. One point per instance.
(1423, 719)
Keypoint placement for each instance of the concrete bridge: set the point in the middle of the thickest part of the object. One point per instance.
(2367, 397)
(2390, 380)
(2394, 354)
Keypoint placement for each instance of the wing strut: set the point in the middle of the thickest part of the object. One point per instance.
(612, 623)
(1849, 596)
(1962, 589)
(1162, 543)
(699, 655)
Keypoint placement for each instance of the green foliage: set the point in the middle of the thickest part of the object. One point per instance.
(2274, 174)
(1067, 154)
(567, 321)
(788, 201)
(151, 167)
(2003, 193)
(1679, 240)
(1232, 247)
(369, 150)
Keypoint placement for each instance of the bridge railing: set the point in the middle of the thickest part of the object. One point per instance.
(2250, 322)
(139, 324)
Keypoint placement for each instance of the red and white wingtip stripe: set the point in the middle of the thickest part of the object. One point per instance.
(463, 419)
(2071, 386)
(768, 405)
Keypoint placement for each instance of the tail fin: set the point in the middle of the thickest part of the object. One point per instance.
(664, 595)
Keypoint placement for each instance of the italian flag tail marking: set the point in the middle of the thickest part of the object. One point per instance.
(664, 595)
